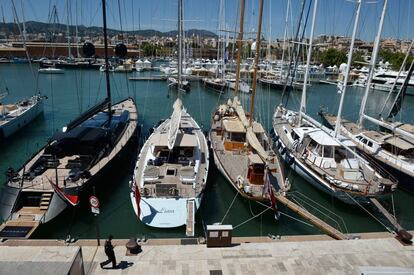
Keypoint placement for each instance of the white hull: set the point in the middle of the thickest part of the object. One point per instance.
(22, 120)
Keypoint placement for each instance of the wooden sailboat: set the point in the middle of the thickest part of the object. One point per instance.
(241, 147)
(69, 163)
(328, 162)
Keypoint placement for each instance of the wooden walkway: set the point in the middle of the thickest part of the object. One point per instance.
(328, 229)
(189, 231)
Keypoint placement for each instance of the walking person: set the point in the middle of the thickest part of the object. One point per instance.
(109, 251)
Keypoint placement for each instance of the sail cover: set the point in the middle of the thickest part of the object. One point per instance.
(251, 136)
(174, 123)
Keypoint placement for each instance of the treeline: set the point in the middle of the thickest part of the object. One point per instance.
(395, 59)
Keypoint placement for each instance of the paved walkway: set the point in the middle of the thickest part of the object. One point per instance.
(371, 256)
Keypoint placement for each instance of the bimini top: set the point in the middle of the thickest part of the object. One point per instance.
(399, 143)
(233, 125)
(322, 137)
(182, 140)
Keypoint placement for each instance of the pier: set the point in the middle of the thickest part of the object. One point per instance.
(372, 254)
(325, 227)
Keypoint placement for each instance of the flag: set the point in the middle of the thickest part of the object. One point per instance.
(396, 106)
(268, 189)
(71, 199)
(137, 200)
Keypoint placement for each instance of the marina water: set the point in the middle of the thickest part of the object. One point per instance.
(76, 90)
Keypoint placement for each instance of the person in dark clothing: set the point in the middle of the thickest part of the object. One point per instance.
(109, 251)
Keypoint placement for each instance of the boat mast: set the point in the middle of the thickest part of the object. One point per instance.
(302, 109)
(348, 69)
(23, 22)
(76, 30)
(285, 36)
(239, 47)
(397, 77)
(180, 5)
(372, 65)
(256, 61)
(67, 28)
(108, 86)
(270, 31)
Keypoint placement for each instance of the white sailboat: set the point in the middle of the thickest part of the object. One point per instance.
(171, 173)
(13, 117)
(394, 151)
(327, 161)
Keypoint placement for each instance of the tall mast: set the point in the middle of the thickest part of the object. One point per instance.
(285, 34)
(23, 22)
(108, 86)
(372, 65)
(76, 29)
(239, 46)
(302, 109)
(270, 31)
(67, 28)
(348, 69)
(180, 5)
(256, 61)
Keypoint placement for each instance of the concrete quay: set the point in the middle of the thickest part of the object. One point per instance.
(374, 253)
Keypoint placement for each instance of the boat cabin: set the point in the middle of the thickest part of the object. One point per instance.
(182, 153)
(234, 134)
(324, 151)
(256, 170)
(396, 145)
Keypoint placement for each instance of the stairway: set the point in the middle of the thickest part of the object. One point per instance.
(45, 201)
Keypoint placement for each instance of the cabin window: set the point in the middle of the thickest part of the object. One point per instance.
(327, 152)
(359, 138)
(312, 145)
(294, 135)
(370, 143)
(238, 137)
(342, 153)
(364, 140)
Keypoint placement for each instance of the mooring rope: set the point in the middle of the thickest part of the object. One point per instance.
(228, 209)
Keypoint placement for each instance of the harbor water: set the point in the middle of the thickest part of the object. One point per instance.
(75, 91)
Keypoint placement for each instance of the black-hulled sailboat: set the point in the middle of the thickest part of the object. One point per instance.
(70, 162)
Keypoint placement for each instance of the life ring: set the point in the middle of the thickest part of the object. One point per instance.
(240, 182)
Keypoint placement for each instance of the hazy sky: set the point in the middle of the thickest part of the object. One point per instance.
(334, 16)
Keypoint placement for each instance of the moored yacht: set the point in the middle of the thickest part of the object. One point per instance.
(15, 116)
(171, 173)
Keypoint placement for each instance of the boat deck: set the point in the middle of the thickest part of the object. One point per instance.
(235, 164)
(60, 172)
(367, 185)
(178, 176)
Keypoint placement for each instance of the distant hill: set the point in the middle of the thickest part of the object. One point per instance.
(33, 27)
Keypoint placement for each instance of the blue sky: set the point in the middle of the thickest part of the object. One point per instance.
(334, 16)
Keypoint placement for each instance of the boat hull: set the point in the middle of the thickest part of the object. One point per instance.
(313, 178)
(19, 122)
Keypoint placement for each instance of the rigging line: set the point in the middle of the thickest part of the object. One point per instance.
(228, 209)
(372, 215)
(296, 219)
(251, 218)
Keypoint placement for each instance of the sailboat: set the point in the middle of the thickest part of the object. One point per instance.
(15, 116)
(71, 161)
(218, 83)
(179, 83)
(329, 162)
(171, 171)
(241, 147)
(392, 149)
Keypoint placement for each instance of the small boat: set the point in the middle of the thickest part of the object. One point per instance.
(51, 70)
(184, 85)
(102, 68)
(243, 86)
(171, 173)
(15, 116)
(216, 84)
